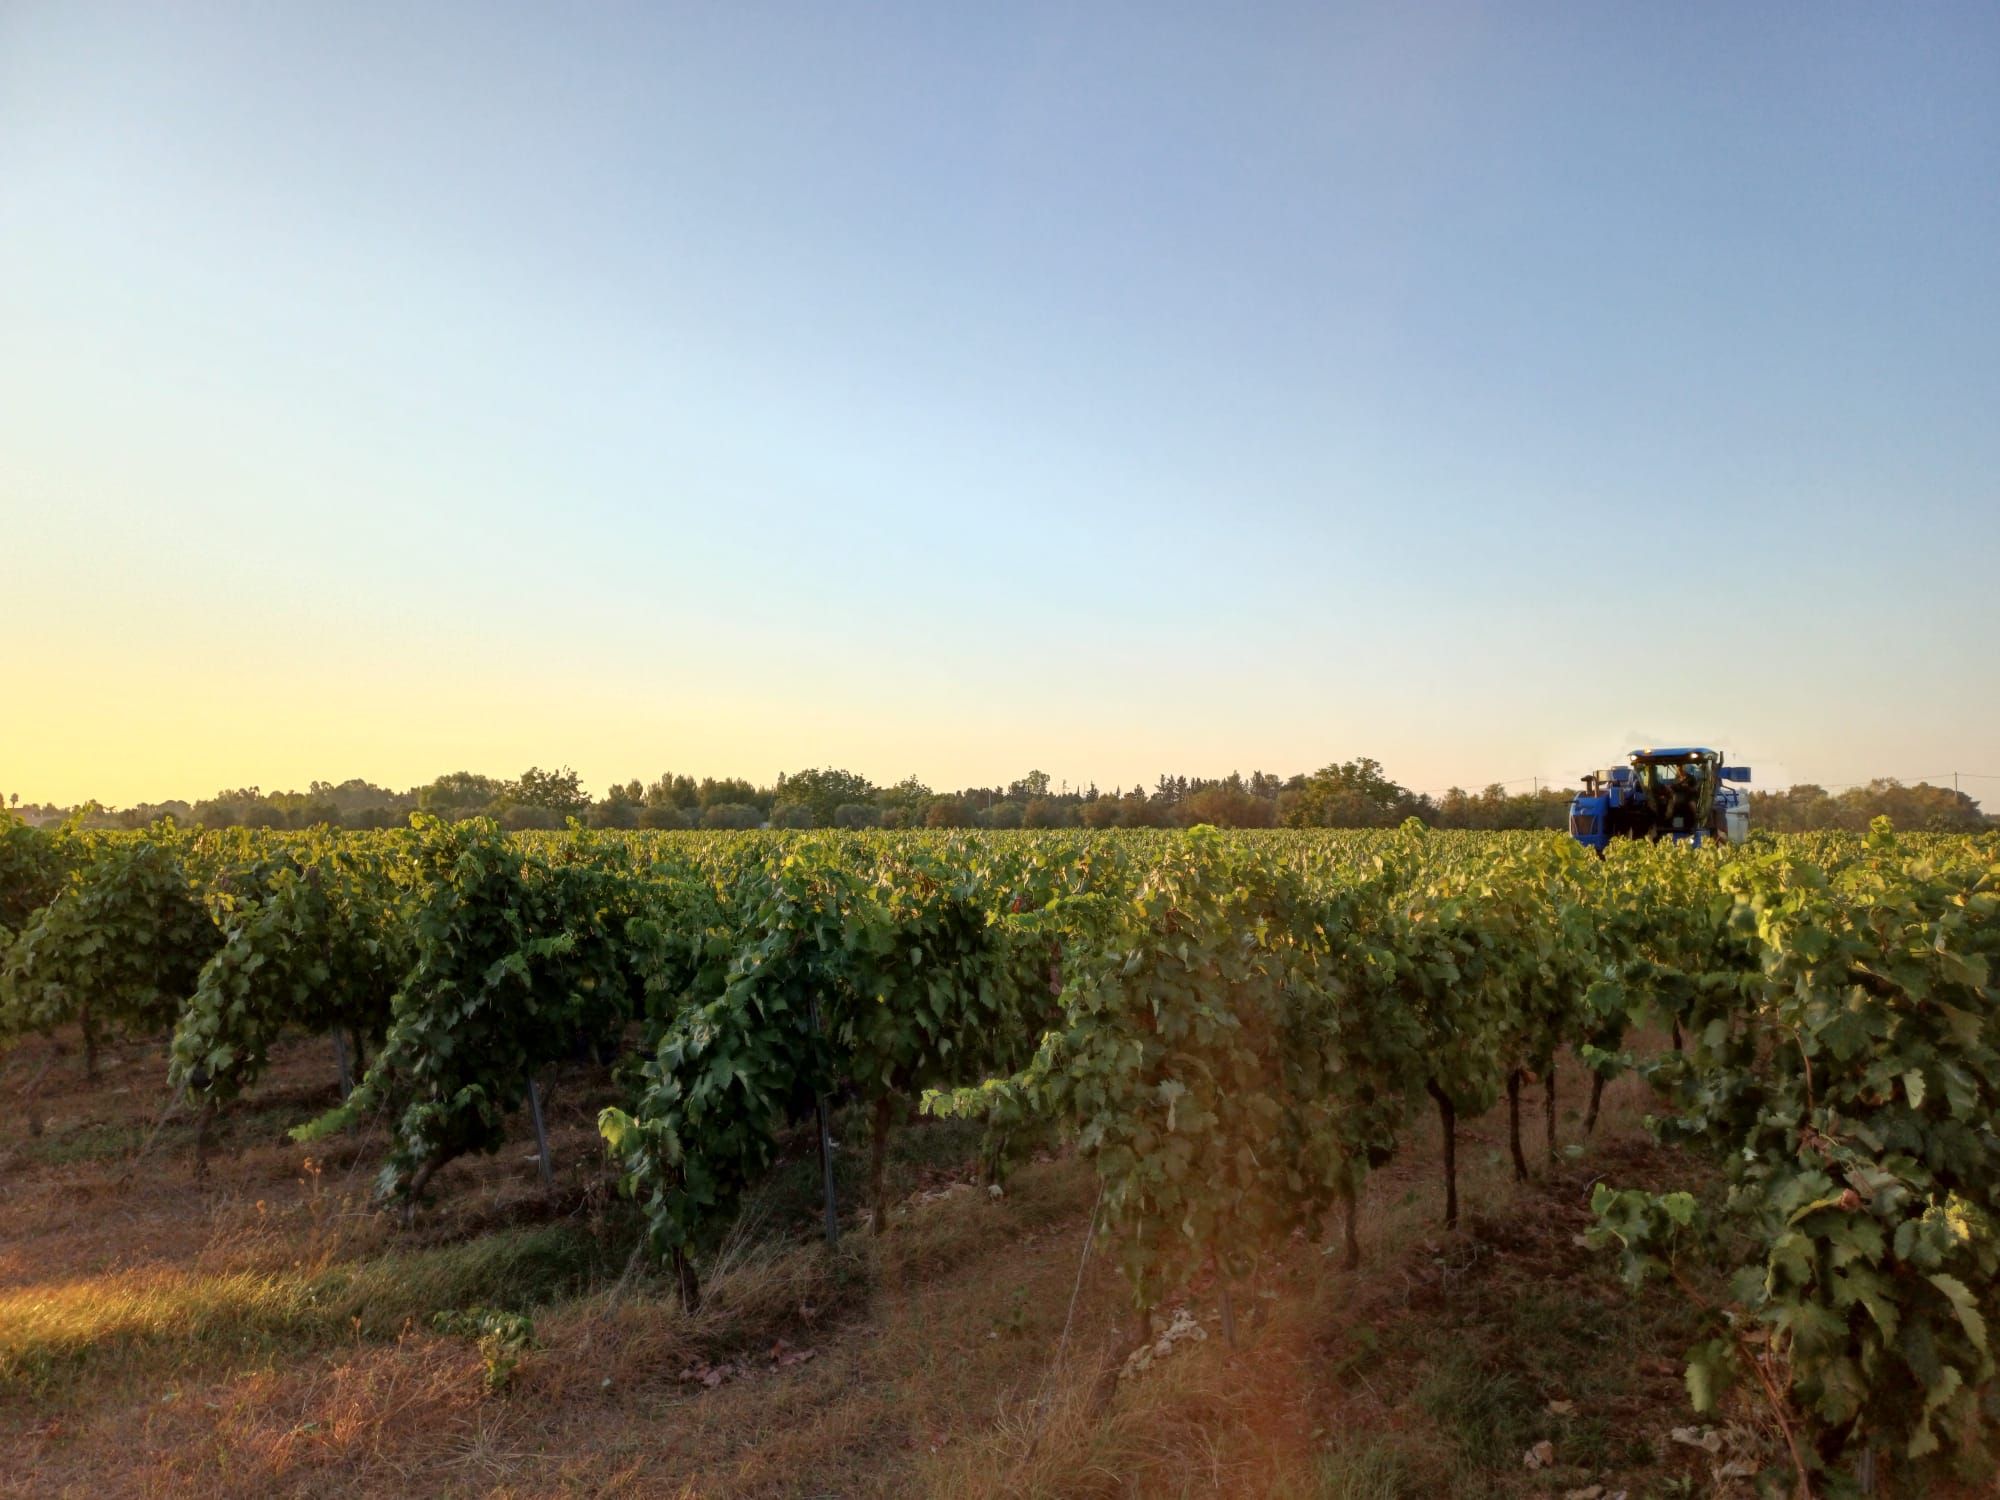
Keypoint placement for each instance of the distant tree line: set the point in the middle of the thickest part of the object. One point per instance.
(1348, 794)
(1936, 809)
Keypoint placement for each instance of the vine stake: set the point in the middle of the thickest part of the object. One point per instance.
(541, 1135)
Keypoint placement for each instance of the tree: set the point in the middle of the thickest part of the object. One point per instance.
(1353, 794)
(1034, 784)
(731, 815)
(1923, 807)
(319, 814)
(732, 789)
(1100, 812)
(1003, 815)
(673, 791)
(620, 807)
(908, 796)
(560, 791)
(355, 795)
(1047, 812)
(1137, 810)
(1227, 807)
(821, 793)
(947, 812)
(462, 794)
(213, 813)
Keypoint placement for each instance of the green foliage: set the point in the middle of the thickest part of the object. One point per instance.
(1851, 1094)
(1232, 1027)
(1355, 794)
(517, 959)
(461, 794)
(1647, 1229)
(878, 978)
(118, 947)
(560, 792)
(1222, 1056)
(317, 939)
(819, 795)
(1170, 1065)
(32, 863)
(1923, 806)
(504, 1340)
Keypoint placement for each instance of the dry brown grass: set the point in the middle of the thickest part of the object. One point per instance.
(268, 1334)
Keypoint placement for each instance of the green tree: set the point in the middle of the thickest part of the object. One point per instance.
(821, 793)
(1003, 815)
(908, 796)
(1034, 784)
(560, 791)
(1048, 812)
(1351, 794)
(620, 807)
(461, 794)
(673, 791)
(732, 789)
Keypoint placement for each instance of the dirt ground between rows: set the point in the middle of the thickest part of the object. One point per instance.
(267, 1332)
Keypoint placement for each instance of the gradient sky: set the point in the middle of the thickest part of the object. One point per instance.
(387, 390)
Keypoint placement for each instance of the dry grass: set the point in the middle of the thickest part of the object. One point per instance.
(269, 1334)
(1284, 1414)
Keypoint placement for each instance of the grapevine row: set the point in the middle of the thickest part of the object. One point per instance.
(1231, 1029)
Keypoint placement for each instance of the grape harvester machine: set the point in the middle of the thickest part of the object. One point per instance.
(1684, 794)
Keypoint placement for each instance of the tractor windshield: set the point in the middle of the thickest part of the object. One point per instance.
(1675, 789)
(1672, 772)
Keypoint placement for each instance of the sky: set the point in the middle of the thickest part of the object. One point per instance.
(959, 390)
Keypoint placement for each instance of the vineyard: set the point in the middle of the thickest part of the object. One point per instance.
(1229, 1034)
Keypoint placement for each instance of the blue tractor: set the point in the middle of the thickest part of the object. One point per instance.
(1681, 793)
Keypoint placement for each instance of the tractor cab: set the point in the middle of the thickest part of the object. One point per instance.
(1678, 788)
(1677, 793)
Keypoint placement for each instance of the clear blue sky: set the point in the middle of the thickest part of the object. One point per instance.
(387, 390)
